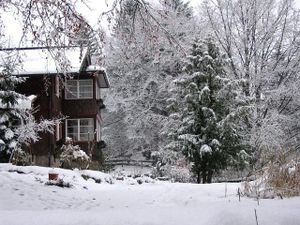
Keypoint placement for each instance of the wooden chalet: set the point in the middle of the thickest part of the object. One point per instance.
(75, 96)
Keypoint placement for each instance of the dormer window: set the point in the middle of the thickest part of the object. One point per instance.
(79, 89)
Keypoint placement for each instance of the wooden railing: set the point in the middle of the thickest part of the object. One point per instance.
(129, 162)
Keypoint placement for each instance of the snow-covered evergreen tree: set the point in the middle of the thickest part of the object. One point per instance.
(17, 124)
(10, 110)
(208, 132)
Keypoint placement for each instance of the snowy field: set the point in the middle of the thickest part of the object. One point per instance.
(26, 200)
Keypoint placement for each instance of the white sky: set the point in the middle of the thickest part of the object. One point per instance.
(98, 6)
(13, 27)
(91, 13)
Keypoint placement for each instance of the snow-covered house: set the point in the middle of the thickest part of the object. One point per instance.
(74, 96)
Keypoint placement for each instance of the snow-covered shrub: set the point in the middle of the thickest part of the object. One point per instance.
(281, 178)
(97, 176)
(178, 173)
(73, 157)
(131, 181)
(59, 183)
(21, 158)
(170, 164)
(144, 179)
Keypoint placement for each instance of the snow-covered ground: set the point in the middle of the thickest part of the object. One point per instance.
(26, 200)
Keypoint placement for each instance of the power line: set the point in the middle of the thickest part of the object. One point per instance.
(38, 48)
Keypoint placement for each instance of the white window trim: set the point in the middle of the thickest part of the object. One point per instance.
(77, 86)
(78, 127)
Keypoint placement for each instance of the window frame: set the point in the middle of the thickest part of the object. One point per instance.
(79, 129)
(77, 97)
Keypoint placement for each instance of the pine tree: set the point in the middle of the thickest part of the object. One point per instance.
(208, 131)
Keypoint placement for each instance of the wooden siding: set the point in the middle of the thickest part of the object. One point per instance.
(83, 108)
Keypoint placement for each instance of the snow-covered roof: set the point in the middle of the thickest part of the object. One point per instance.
(95, 68)
(103, 80)
(41, 61)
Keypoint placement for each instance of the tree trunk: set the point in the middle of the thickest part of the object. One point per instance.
(204, 177)
(209, 176)
(199, 177)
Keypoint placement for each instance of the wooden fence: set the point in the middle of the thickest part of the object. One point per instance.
(129, 162)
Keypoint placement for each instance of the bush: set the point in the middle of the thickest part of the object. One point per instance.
(21, 158)
(59, 183)
(180, 174)
(281, 178)
(171, 165)
(73, 157)
(174, 173)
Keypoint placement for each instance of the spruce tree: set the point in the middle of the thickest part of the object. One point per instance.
(208, 131)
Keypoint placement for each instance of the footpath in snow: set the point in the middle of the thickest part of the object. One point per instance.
(96, 198)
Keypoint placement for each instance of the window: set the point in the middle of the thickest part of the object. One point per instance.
(80, 129)
(79, 89)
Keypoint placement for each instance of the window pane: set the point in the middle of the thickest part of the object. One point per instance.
(74, 136)
(85, 88)
(72, 129)
(84, 137)
(86, 129)
(71, 82)
(85, 82)
(72, 122)
(71, 89)
(85, 95)
(71, 95)
(86, 122)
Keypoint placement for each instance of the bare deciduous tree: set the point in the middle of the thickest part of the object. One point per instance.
(261, 40)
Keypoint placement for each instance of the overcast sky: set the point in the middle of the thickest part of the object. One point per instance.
(98, 6)
(91, 13)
